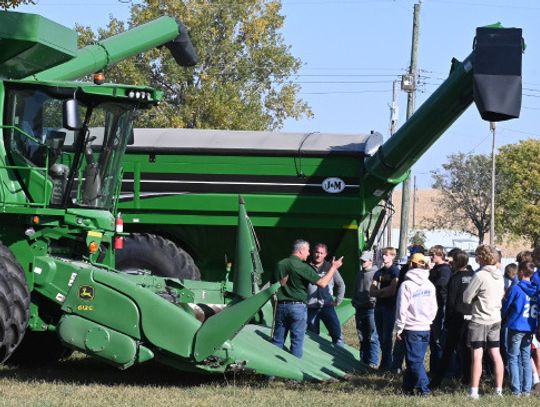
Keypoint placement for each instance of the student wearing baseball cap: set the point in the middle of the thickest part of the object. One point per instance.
(416, 308)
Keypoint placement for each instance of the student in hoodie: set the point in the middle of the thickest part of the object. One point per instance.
(416, 308)
(484, 293)
(456, 320)
(519, 310)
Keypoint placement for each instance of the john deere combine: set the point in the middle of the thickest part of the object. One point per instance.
(60, 156)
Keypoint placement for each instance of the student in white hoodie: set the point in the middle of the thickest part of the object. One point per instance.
(485, 293)
(416, 309)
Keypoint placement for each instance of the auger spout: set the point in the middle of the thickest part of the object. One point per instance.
(164, 31)
(490, 75)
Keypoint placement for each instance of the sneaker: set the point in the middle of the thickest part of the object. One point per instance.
(474, 396)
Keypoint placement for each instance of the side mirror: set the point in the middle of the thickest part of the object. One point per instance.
(72, 116)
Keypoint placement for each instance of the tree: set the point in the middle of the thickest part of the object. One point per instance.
(465, 185)
(418, 239)
(242, 79)
(6, 4)
(518, 178)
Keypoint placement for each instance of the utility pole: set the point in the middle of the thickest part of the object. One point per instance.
(414, 204)
(408, 84)
(394, 115)
(492, 127)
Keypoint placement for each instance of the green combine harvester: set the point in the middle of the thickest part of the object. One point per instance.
(61, 153)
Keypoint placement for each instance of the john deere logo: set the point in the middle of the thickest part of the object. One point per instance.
(86, 292)
(333, 185)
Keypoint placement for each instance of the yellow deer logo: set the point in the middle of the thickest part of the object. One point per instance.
(86, 292)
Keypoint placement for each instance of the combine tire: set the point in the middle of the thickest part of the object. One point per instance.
(158, 255)
(14, 303)
(39, 348)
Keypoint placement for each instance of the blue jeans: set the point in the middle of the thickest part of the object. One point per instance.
(519, 361)
(328, 316)
(290, 318)
(367, 334)
(385, 317)
(415, 377)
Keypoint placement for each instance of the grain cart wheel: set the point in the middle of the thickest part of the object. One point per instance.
(14, 304)
(159, 255)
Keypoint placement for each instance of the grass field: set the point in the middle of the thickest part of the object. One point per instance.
(84, 382)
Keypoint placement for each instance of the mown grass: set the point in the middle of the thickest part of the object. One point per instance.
(84, 382)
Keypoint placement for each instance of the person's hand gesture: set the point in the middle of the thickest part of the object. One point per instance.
(337, 263)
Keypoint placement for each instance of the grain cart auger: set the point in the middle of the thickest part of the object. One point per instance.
(183, 184)
(60, 154)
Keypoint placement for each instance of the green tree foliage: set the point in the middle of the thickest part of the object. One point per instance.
(242, 80)
(7, 4)
(418, 239)
(518, 199)
(465, 185)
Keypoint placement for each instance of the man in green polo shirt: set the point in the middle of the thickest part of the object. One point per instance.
(291, 312)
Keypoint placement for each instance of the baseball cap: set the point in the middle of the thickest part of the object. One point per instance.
(366, 256)
(418, 258)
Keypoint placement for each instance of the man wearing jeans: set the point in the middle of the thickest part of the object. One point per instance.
(321, 301)
(415, 311)
(383, 288)
(364, 306)
(291, 313)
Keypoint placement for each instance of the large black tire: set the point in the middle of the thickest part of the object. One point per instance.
(158, 255)
(14, 303)
(39, 348)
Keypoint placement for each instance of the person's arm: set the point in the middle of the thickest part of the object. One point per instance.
(339, 285)
(390, 290)
(374, 288)
(336, 264)
(402, 304)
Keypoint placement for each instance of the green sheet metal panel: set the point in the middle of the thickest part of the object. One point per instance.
(112, 346)
(30, 43)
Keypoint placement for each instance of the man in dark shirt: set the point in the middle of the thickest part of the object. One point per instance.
(439, 275)
(291, 312)
(322, 302)
(384, 289)
(457, 317)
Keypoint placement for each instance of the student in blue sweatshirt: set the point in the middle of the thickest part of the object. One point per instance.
(519, 311)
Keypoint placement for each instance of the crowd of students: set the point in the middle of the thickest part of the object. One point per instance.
(462, 315)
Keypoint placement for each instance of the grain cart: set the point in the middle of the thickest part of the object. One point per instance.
(181, 184)
(61, 150)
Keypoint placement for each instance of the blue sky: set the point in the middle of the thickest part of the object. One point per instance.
(354, 49)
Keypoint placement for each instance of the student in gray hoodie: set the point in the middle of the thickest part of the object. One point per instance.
(485, 293)
(416, 309)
